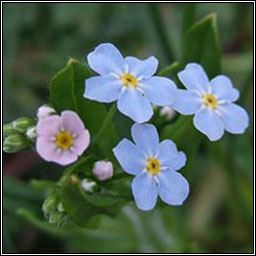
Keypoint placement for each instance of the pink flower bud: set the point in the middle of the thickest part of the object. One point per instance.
(168, 112)
(44, 112)
(103, 170)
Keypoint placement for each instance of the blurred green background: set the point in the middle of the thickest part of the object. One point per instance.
(38, 39)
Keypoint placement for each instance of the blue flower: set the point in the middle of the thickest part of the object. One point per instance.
(129, 81)
(155, 166)
(211, 102)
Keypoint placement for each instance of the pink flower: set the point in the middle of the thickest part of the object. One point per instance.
(61, 139)
(103, 170)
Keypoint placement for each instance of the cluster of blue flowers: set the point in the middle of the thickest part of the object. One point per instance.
(131, 83)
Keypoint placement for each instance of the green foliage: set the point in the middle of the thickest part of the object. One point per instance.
(82, 207)
(201, 45)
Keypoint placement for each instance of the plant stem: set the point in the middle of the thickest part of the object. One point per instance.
(168, 70)
(153, 10)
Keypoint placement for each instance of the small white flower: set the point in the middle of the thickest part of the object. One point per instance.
(31, 133)
(103, 170)
(44, 112)
(88, 186)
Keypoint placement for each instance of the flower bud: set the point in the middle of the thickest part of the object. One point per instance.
(45, 111)
(49, 205)
(60, 207)
(14, 143)
(89, 185)
(31, 133)
(103, 170)
(168, 112)
(54, 211)
(8, 130)
(22, 124)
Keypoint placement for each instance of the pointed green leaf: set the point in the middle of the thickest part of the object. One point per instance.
(202, 46)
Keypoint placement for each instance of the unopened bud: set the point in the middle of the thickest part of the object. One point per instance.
(60, 207)
(31, 133)
(168, 112)
(103, 170)
(49, 205)
(14, 143)
(8, 130)
(88, 185)
(23, 123)
(54, 211)
(45, 111)
(74, 179)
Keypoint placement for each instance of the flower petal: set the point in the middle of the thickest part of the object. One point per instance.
(105, 59)
(209, 123)
(146, 138)
(144, 191)
(71, 122)
(64, 157)
(145, 68)
(102, 88)
(235, 118)
(222, 87)
(129, 157)
(132, 103)
(173, 188)
(187, 102)
(169, 155)
(160, 90)
(81, 142)
(46, 148)
(194, 77)
(49, 126)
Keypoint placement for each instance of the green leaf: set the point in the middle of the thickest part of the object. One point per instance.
(81, 207)
(42, 184)
(202, 46)
(18, 194)
(188, 17)
(18, 189)
(102, 200)
(66, 92)
(79, 210)
(176, 131)
(42, 224)
(102, 141)
(82, 165)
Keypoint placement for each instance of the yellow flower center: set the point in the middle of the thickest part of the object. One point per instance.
(153, 166)
(210, 101)
(64, 140)
(129, 80)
